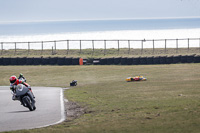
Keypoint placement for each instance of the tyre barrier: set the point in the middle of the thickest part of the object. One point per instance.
(53, 60)
(85, 61)
(103, 61)
(21, 61)
(184, 59)
(190, 58)
(143, 60)
(117, 60)
(45, 61)
(75, 61)
(68, 61)
(89, 61)
(13, 61)
(129, 61)
(197, 59)
(156, 60)
(6, 61)
(176, 59)
(110, 61)
(149, 60)
(1, 61)
(96, 61)
(162, 59)
(124, 61)
(61, 61)
(169, 59)
(37, 61)
(29, 61)
(136, 60)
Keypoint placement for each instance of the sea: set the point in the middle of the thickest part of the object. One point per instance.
(116, 32)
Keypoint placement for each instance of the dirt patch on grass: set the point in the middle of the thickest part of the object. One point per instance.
(73, 110)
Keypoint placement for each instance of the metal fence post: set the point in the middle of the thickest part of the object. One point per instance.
(2, 48)
(80, 46)
(55, 45)
(199, 45)
(118, 47)
(42, 48)
(93, 45)
(128, 46)
(176, 45)
(141, 46)
(15, 47)
(153, 46)
(67, 47)
(28, 47)
(104, 47)
(188, 44)
(165, 46)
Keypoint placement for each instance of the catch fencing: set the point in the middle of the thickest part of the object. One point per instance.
(104, 45)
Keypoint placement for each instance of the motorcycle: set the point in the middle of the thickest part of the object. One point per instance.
(25, 96)
(22, 79)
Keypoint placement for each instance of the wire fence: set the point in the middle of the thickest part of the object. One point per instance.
(104, 45)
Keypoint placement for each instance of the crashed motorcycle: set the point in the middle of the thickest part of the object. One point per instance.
(25, 96)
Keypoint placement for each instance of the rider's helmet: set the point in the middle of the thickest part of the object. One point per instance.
(20, 75)
(13, 79)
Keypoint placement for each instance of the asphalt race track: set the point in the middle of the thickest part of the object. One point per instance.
(49, 109)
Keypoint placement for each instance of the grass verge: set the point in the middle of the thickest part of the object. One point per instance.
(98, 53)
(167, 102)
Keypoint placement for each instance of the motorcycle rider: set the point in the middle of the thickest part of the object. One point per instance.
(14, 82)
(21, 77)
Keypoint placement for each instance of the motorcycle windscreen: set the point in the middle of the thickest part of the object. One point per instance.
(21, 90)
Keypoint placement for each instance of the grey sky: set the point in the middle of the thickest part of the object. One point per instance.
(39, 10)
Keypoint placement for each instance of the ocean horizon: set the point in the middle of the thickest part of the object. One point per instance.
(57, 27)
(122, 29)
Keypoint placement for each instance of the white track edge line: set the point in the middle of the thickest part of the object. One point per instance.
(62, 112)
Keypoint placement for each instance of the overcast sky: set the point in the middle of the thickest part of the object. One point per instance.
(40, 10)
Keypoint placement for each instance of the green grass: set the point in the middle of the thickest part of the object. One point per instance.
(167, 102)
(98, 53)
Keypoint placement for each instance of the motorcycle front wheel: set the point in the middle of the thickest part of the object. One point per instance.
(28, 104)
